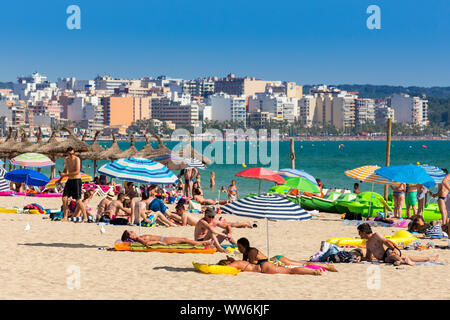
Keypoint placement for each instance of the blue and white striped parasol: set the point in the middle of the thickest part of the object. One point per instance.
(139, 170)
(191, 163)
(4, 184)
(268, 206)
(435, 173)
(288, 173)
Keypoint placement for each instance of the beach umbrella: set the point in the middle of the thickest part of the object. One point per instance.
(10, 140)
(130, 152)
(367, 174)
(302, 184)
(36, 146)
(188, 151)
(95, 152)
(261, 174)
(409, 174)
(4, 185)
(267, 206)
(23, 144)
(112, 151)
(71, 141)
(434, 172)
(288, 172)
(49, 149)
(180, 163)
(139, 170)
(147, 149)
(36, 160)
(52, 183)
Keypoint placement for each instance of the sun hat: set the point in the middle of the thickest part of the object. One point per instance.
(110, 194)
(210, 212)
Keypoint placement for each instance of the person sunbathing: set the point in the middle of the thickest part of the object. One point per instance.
(148, 240)
(116, 208)
(376, 244)
(140, 208)
(256, 257)
(267, 267)
(200, 199)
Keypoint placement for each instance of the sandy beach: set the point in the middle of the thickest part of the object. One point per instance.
(40, 264)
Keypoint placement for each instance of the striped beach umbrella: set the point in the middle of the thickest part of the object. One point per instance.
(4, 184)
(52, 184)
(139, 170)
(267, 206)
(190, 162)
(290, 173)
(367, 173)
(435, 173)
(32, 160)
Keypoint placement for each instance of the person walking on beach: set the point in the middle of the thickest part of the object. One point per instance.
(206, 229)
(233, 193)
(212, 180)
(375, 245)
(189, 175)
(411, 199)
(399, 198)
(72, 189)
(442, 193)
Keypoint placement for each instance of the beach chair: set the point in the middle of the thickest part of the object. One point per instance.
(102, 190)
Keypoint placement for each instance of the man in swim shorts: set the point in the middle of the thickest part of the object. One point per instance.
(411, 199)
(72, 189)
(385, 250)
(148, 240)
(206, 229)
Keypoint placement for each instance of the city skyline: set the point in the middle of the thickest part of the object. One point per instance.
(309, 43)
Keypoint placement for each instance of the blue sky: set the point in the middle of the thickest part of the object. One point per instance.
(309, 42)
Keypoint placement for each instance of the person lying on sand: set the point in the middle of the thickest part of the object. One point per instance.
(254, 256)
(269, 268)
(376, 244)
(148, 240)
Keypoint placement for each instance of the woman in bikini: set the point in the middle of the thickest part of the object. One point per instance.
(233, 193)
(267, 267)
(399, 199)
(254, 256)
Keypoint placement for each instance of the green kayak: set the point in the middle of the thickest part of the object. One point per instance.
(306, 203)
(340, 202)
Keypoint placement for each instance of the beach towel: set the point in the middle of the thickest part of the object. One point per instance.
(425, 263)
(195, 205)
(397, 224)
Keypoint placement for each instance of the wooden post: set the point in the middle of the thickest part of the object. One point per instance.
(292, 154)
(388, 154)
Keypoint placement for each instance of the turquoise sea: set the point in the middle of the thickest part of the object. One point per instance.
(322, 159)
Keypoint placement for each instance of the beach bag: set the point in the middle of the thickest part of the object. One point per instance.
(56, 215)
(195, 205)
(353, 216)
(340, 257)
(119, 221)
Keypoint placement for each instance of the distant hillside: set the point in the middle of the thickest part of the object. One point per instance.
(382, 91)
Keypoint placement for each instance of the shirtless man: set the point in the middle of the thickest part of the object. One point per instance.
(187, 218)
(72, 189)
(189, 176)
(149, 240)
(442, 193)
(375, 245)
(206, 229)
(104, 203)
(116, 208)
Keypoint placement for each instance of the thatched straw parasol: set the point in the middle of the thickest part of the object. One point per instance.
(130, 152)
(72, 141)
(95, 152)
(38, 145)
(147, 149)
(190, 152)
(50, 149)
(162, 150)
(112, 152)
(10, 141)
(19, 147)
